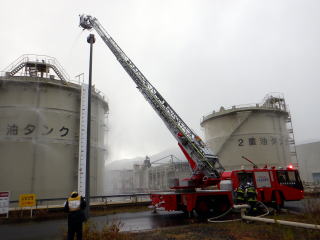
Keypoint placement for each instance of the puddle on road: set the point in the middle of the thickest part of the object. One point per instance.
(144, 220)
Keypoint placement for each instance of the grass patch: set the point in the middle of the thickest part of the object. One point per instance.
(243, 230)
(108, 232)
(231, 231)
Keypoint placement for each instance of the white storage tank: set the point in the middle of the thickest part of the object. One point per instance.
(39, 130)
(260, 132)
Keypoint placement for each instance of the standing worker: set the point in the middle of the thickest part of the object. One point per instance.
(251, 197)
(74, 206)
(240, 194)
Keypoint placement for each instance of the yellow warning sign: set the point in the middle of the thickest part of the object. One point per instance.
(27, 200)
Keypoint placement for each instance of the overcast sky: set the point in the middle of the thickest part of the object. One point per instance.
(199, 54)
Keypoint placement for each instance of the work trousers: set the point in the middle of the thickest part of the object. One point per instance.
(75, 229)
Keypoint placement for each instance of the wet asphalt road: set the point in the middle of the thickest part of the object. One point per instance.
(303, 205)
(53, 229)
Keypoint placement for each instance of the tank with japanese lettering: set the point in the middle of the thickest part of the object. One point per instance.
(39, 130)
(260, 132)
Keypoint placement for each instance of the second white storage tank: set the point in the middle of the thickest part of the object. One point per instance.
(259, 132)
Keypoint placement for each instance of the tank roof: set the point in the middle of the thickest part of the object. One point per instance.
(272, 102)
(45, 68)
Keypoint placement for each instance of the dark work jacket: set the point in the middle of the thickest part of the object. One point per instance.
(75, 218)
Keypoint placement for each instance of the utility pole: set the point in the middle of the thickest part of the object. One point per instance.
(91, 40)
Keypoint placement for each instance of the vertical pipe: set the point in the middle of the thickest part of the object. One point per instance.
(90, 40)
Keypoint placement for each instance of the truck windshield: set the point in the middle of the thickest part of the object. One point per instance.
(289, 178)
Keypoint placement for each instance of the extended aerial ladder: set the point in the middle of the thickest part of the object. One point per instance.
(206, 167)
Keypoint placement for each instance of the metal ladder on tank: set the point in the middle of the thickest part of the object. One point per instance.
(291, 141)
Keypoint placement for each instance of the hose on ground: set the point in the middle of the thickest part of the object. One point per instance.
(212, 220)
(220, 216)
(265, 214)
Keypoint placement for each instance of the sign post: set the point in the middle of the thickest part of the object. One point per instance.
(91, 40)
(4, 203)
(27, 200)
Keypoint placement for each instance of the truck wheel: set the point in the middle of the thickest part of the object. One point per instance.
(203, 208)
(210, 207)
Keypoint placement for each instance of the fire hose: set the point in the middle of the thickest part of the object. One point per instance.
(242, 206)
(260, 218)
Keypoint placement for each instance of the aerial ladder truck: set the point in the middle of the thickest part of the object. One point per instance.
(192, 193)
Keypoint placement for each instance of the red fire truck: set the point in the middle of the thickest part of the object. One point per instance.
(274, 186)
(196, 193)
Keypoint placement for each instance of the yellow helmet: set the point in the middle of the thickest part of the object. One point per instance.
(74, 194)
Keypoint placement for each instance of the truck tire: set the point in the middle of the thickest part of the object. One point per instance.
(211, 207)
(203, 208)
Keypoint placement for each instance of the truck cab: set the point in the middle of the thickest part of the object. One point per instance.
(272, 185)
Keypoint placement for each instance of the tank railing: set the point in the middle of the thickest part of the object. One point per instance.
(100, 93)
(39, 59)
(78, 82)
(168, 159)
(53, 62)
(263, 105)
(16, 62)
(103, 199)
(273, 95)
(45, 59)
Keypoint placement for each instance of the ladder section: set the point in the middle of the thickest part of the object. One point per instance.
(59, 74)
(291, 141)
(201, 158)
(83, 140)
(17, 69)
